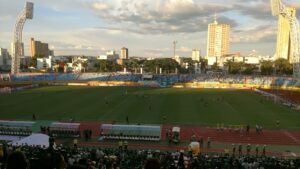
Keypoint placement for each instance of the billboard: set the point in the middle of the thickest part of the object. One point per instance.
(29, 10)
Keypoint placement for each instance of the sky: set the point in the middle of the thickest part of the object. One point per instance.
(146, 27)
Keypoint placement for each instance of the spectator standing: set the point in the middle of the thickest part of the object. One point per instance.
(233, 150)
(208, 142)
(248, 149)
(240, 149)
(201, 142)
(264, 151)
(256, 150)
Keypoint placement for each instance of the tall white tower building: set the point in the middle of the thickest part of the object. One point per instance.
(218, 39)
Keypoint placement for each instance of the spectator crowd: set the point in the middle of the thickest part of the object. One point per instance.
(61, 157)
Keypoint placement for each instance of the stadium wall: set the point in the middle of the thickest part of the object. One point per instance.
(233, 86)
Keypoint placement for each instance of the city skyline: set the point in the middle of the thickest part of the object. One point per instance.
(147, 28)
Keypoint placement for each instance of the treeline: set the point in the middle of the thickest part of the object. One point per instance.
(278, 67)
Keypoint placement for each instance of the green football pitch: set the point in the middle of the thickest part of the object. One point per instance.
(147, 106)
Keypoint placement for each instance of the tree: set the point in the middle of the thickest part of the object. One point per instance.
(283, 67)
(248, 69)
(84, 65)
(234, 67)
(168, 65)
(33, 62)
(132, 64)
(215, 67)
(266, 67)
(39, 56)
(190, 65)
(107, 66)
(203, 63)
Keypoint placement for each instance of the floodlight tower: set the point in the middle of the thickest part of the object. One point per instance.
(174, 48)
(17, 47)
(278, 8)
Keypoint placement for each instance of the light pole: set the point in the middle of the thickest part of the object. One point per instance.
(17, 45)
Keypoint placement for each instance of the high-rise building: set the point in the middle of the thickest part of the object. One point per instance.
(124, 53)
(38, 48)
(284, 48)
(196, 55)
(218, 39)
(4, 57)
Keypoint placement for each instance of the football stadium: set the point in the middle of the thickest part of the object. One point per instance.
(251, 120)
(69, 100)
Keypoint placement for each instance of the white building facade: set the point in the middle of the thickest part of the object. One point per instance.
(44, 63)
(196, 55)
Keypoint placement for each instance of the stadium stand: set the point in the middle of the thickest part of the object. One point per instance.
(164, 80)
(93, 76)
(109, 158)
(67, 76)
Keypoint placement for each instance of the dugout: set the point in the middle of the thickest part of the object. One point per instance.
(64, 130)
(130, 132)
(16, 128)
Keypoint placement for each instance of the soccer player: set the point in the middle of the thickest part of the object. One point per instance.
(248, 129)
(127, 120)
(277, 123)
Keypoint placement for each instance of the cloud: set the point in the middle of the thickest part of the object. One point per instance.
(100, 6)
(261, 9)
(184, 49)
(171, 16)
(92, 25)
(259, 34)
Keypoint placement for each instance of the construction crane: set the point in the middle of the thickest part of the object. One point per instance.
(278, 8)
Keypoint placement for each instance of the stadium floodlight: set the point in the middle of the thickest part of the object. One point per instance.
(17, 45)
(278, 8)
(29, 10)
(275, 7)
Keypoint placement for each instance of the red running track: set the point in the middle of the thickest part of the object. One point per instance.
(268, 137)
